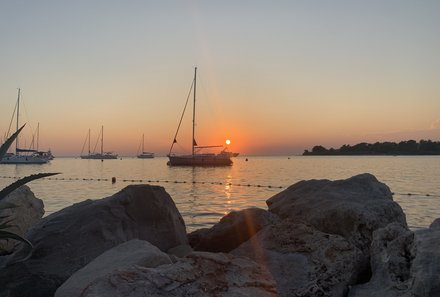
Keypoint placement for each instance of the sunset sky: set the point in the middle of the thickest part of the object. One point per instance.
(275, 77)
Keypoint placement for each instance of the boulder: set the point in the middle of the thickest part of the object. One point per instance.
(390, 263)
(232, 230)
(404, 263)
(199, 274)
(352, 208)
(69, 239)
(27, 212)
(130, 253)
(305, 261)
(425, 267)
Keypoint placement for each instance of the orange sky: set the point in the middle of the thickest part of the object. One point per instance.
(275, 78)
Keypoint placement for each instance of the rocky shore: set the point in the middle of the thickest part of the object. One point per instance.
(316, 238)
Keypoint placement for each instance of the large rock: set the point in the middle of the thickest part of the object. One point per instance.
(352, 208)
(404, 263)
(27, 212)
(305, 261)
(390, 263)
(199, 274)
(232, 230)
(69, 239)
(425, 267)
(128, 254)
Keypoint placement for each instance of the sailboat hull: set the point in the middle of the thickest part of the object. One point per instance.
(14, 159)
(100, 157)
(200, 160)
(145, 155)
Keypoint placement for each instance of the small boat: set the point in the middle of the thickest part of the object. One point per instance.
(143, 154)
(98, 156)
(196, 158)
(23, 156)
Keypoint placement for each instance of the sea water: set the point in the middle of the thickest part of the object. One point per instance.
(204, 195)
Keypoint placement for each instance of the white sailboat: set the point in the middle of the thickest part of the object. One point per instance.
(43, 154)
(144, 154)
(23, 156)
(196, 158)
(98, 156)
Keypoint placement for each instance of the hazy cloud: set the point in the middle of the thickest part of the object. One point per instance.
(435, 124)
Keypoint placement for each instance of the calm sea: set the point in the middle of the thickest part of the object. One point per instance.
(204, 195)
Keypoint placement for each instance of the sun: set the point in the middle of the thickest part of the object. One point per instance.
(228, 142)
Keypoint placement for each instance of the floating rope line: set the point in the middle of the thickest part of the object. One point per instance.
(417, 194)
(158, 181)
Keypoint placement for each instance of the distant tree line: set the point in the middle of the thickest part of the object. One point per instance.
(409, 147)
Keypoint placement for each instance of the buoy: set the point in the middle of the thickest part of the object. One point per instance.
(246, 159)
(113, 180)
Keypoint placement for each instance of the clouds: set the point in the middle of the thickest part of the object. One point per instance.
(435, 124)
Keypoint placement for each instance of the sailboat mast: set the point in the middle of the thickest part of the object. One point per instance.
(194, 110)
(18, 111)
(38, 134)
(89, 141)
(142, 144)
(102, 140)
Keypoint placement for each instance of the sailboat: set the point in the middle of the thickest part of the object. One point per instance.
(196, 158)
(43, 154)
(144, 154)
(98, 156)
(23, 156)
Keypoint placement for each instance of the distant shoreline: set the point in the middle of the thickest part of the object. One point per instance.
(403, 148)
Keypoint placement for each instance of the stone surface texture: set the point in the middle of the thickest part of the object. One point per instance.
(352, 208)
(305, 261)
(27, 212)
(404, 263)
(232, 230)
(69, 239)
(199, 274)
(126, 255)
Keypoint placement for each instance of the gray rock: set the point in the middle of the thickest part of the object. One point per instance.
(180, 251)
(425, 267)
(435, 225)
(404, 263)
(69, 239)
(28, 211)
(199, 274)
(232, 230)
(305, 261)
(125, 255)
(352, 208)
(390, 263)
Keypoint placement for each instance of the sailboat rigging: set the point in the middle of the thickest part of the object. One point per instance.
(98, 156)
(23, 156)
(144, 154)
(196, 158)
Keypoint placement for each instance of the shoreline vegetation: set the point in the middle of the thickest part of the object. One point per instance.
(408, 147)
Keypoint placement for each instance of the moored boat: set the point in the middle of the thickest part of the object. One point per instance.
(196, 158)
(101, 155)
(23, 156)
(143, 154)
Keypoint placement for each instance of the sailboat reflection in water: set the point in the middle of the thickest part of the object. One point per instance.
(196, 158)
